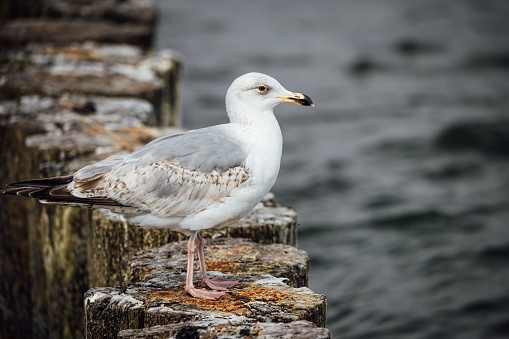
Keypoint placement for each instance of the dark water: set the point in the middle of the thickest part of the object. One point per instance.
(400, 174)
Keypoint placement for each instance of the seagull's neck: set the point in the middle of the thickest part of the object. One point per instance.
(260, 127)
(245, 115)
(262, 123)
(263, 134)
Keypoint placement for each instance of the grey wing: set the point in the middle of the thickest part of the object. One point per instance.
(175, 175)
(202, 150)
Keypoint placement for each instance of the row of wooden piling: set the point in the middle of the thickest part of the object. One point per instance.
(77, 85)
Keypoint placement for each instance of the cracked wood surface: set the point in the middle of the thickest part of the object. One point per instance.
(161, 300)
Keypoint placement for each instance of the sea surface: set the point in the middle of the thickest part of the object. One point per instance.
(400, 174)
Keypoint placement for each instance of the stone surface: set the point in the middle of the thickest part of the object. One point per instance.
(161, 300)
(94, 69)
(231, 328)
(227, 255)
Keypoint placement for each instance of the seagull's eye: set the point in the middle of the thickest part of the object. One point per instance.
(263, 88)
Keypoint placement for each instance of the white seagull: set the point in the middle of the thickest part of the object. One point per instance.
(200, 179)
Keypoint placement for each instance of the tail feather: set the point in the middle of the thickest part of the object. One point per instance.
(21, 191)
(54, 191)
(44, 182)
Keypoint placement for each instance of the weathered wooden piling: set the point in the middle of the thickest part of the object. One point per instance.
(227, 255)
(94, 69)
(160, 299)
(44, 249)
(272, 290)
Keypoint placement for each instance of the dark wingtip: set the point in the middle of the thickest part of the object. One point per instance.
(44, 182)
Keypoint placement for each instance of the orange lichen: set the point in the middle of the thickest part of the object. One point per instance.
(222, 266)
(231, 258)
(233, 302)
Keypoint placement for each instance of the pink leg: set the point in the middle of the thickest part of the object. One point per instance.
(196, 292)
(217, 283)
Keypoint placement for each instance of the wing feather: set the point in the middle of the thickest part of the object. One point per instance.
(172, 176)
(175, 191)
(54, 191)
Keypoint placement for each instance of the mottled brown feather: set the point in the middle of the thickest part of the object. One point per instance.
(88, 184)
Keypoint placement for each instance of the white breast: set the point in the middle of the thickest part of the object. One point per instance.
(265, 149)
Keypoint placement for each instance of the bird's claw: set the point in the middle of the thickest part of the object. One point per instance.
(204, 294)
(219, 283)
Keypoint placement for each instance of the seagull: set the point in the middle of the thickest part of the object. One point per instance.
(188, 182)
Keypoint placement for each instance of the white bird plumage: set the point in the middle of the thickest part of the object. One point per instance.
(200, 179)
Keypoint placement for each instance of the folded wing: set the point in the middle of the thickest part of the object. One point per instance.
(175, 175)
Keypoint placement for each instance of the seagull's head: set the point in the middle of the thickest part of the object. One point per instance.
(257, 93)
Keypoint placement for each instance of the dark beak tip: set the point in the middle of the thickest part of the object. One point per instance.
(307, 101)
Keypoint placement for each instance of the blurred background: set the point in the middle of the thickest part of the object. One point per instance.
(400, 173)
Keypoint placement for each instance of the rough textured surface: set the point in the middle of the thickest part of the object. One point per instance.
(161, 300)
(57, 114)
(49, 246)
(94, 69)
(112, 242)
(231, 328)
(41, 261)
(227, 255)
(80, 128)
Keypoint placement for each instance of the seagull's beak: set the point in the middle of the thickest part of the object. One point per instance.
(297, 98)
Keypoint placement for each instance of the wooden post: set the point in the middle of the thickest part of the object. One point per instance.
(161, 300)
(91, 69)
(227, 255)
(44, 258)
